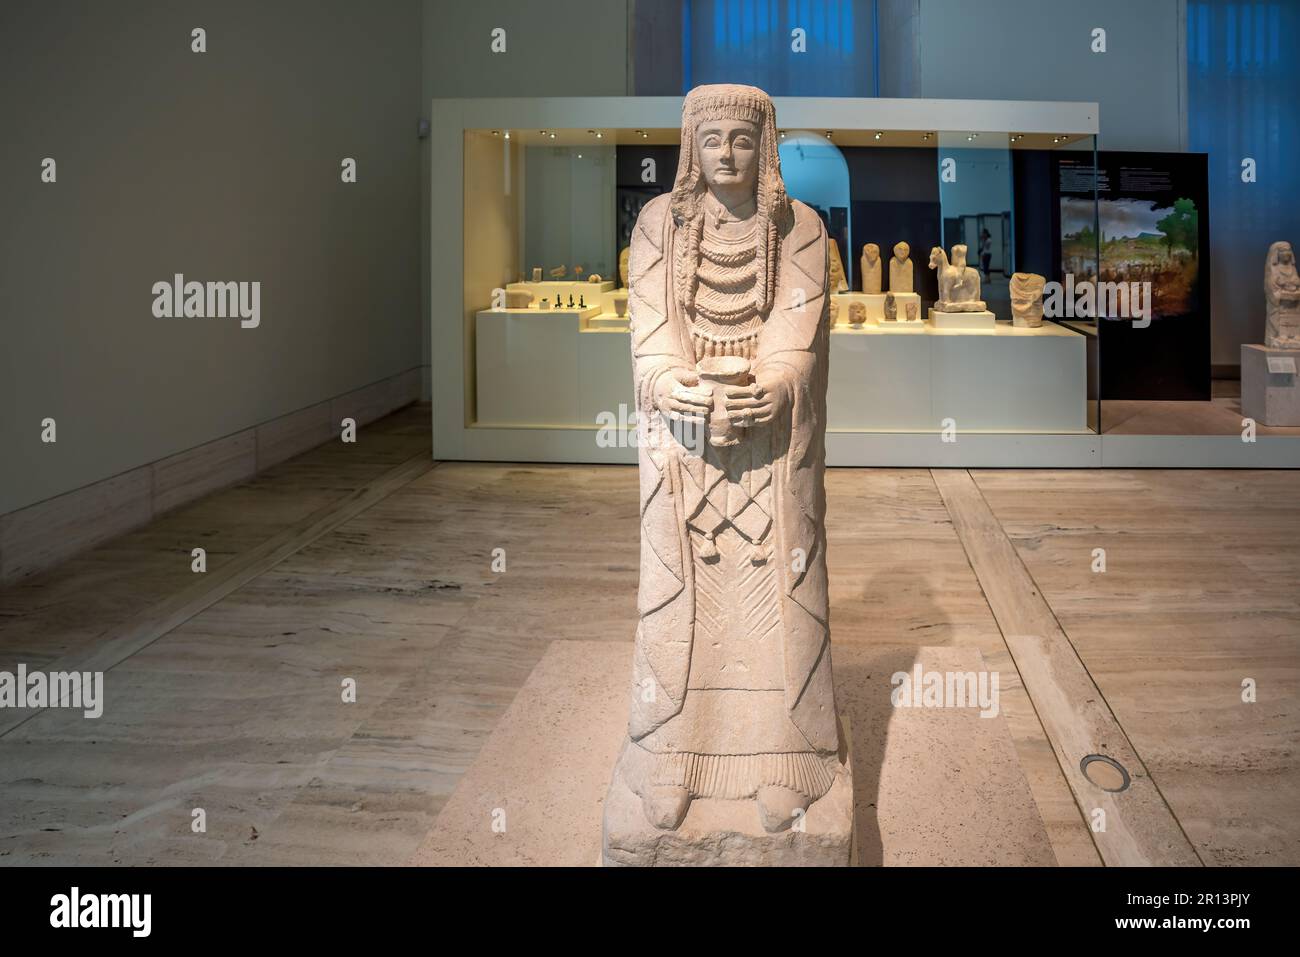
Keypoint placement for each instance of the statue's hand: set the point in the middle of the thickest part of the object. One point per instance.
(757, 403)
(677, 395)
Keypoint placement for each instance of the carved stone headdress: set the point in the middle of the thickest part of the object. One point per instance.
(1273, 265)
(719, 102)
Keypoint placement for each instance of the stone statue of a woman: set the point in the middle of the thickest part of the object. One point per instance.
(732, 696)
(1281, 298)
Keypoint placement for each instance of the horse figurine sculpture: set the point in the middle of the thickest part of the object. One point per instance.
(959, 284)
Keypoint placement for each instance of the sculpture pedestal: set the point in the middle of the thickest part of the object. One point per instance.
(1270, 385)
(728, 833)
(977, 321)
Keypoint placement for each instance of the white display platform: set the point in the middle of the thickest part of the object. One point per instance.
(1270, 385)
(892, 326)
(543, 368)
(875, 303)
(607, 321)
(963, 321)
(565, 287)
(551, 369)
(1003, 380)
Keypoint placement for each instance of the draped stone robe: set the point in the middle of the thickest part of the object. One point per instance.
(785, 477)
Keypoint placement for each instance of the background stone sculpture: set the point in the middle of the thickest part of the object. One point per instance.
(839, 282)
(900, 269)
(871, 269)
(959, 284)
(622, 266)
(891, 307)
(1281, 298)
(1027, 299)
(732, 698)
(857, 313)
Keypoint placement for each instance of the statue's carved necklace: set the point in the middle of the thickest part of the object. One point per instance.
(726, 318)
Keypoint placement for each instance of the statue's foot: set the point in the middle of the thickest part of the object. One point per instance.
(778, 807)
(665, 805)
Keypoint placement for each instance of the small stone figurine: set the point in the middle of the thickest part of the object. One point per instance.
(900, 269)
(891, 307)
(871, 269)
(1027, 300)
(839, 282)
(959, 284)
(857, 314)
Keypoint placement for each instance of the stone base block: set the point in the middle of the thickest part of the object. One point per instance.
(972, 321)
(1270, 397)
(728, 833)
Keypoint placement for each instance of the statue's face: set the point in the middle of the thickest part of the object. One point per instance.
(728, 152)
(1285, 255)
(901, 251)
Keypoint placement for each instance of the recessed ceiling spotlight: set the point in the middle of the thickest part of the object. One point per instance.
(969, 138)
(552, 136)
(828, 134)
(543, 132)
(507, 134)
(496, 132)
(600, 136)
(925, 136)
(879, 134)
(783, 134)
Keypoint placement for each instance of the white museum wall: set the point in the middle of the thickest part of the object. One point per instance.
(223, 166)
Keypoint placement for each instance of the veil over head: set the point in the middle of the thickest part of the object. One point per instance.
(728, 102)
(773, 213)
(1274, 258)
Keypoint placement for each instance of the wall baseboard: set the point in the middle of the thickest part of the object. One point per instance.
(1225, 371)
(40, 536)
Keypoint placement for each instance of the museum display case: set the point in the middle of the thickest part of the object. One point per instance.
(933, 227)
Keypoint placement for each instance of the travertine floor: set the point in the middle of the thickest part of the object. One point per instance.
(239, 710)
